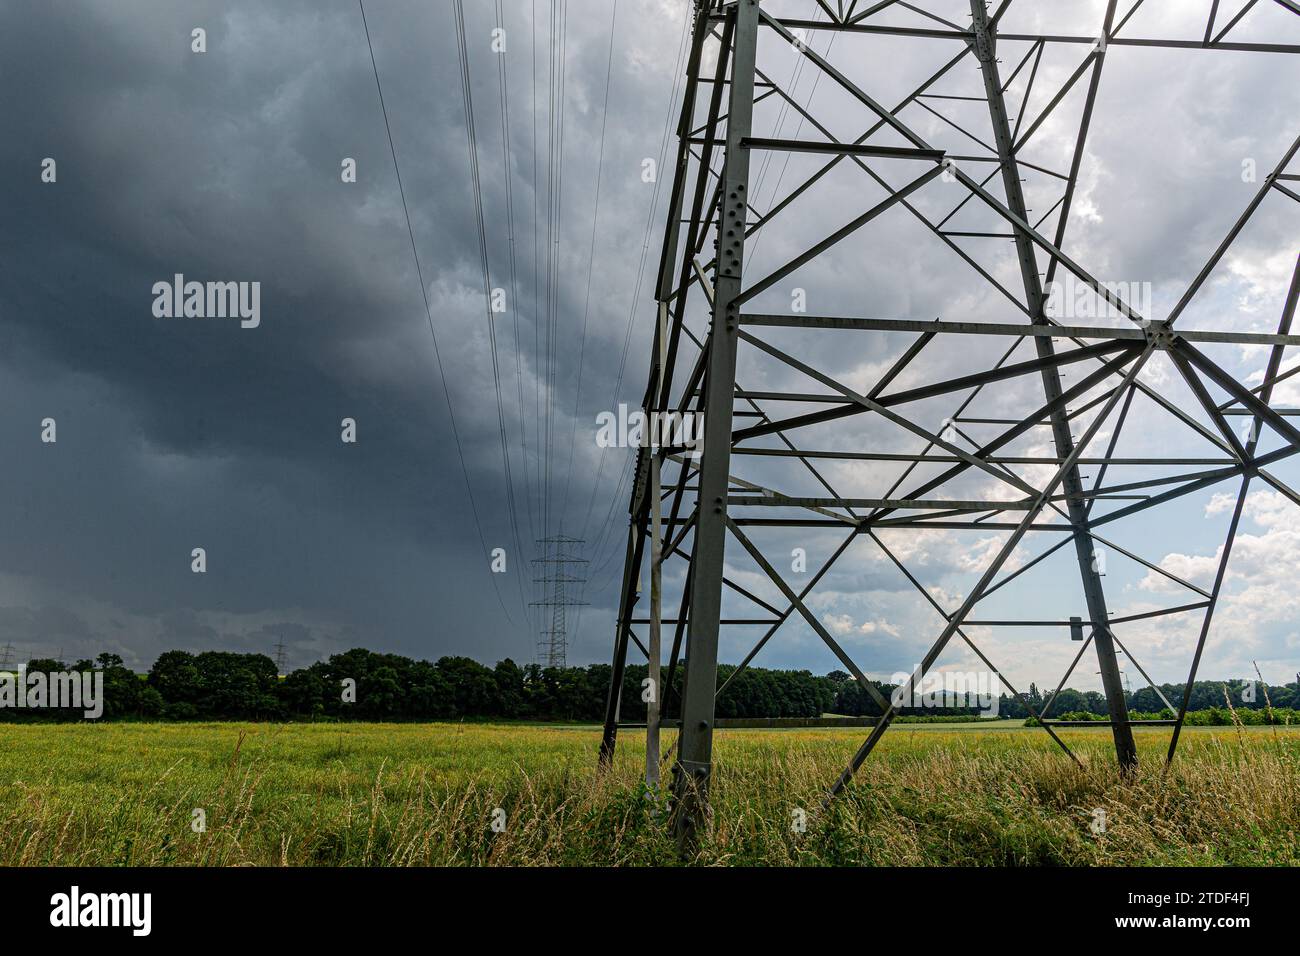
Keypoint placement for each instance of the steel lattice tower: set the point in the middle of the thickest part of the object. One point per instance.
(552, 649)
(769, 456)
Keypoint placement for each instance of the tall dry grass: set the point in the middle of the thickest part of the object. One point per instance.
(384, 795)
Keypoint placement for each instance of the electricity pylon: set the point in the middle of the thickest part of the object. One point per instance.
(1019, 415)
(557, 582)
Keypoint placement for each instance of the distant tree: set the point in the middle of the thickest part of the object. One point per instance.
(1067, 700)
(510, 693)
(473, 686)
(379, 694)
(124, 692)
(213, 685)
(175, 676)
(221, 685)
(303, 692)
(430, 694)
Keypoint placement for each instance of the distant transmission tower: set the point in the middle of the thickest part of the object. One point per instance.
(7, 655)
(555, 580)
(279, 656)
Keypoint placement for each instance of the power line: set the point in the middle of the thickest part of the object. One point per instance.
(606, 555)
(591, 260)
(554, 224)
(471, 137)
(785, 105)
(548, 258)
(428, 311)
(537, 283)
(636, 292)
(516, 302)
(604, 535)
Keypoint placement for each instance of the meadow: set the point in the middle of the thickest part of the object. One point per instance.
(426, 794)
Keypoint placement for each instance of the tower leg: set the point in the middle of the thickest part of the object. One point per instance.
(695, 750)
(1094, 594)
(652, 715)
(631, 567)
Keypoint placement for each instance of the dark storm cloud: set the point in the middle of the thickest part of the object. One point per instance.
(174, 434)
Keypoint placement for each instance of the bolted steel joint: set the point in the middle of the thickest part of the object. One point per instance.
(1161, 336)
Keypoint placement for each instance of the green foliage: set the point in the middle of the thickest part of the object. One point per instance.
(221, 685)
(216, 684)
(1210, 717)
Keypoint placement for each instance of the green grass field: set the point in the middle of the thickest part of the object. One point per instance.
(420, 794)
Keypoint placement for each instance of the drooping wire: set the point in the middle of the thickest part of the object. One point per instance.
(548, 258)
(604, 539)
(645, 247)
(471, 136)
(607, 524)
(591, 260)
(428, 311)
(515, 301)
(537, 283)
(776, 190)
(555, 202)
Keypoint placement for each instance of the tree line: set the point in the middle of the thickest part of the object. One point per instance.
(363, 685)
